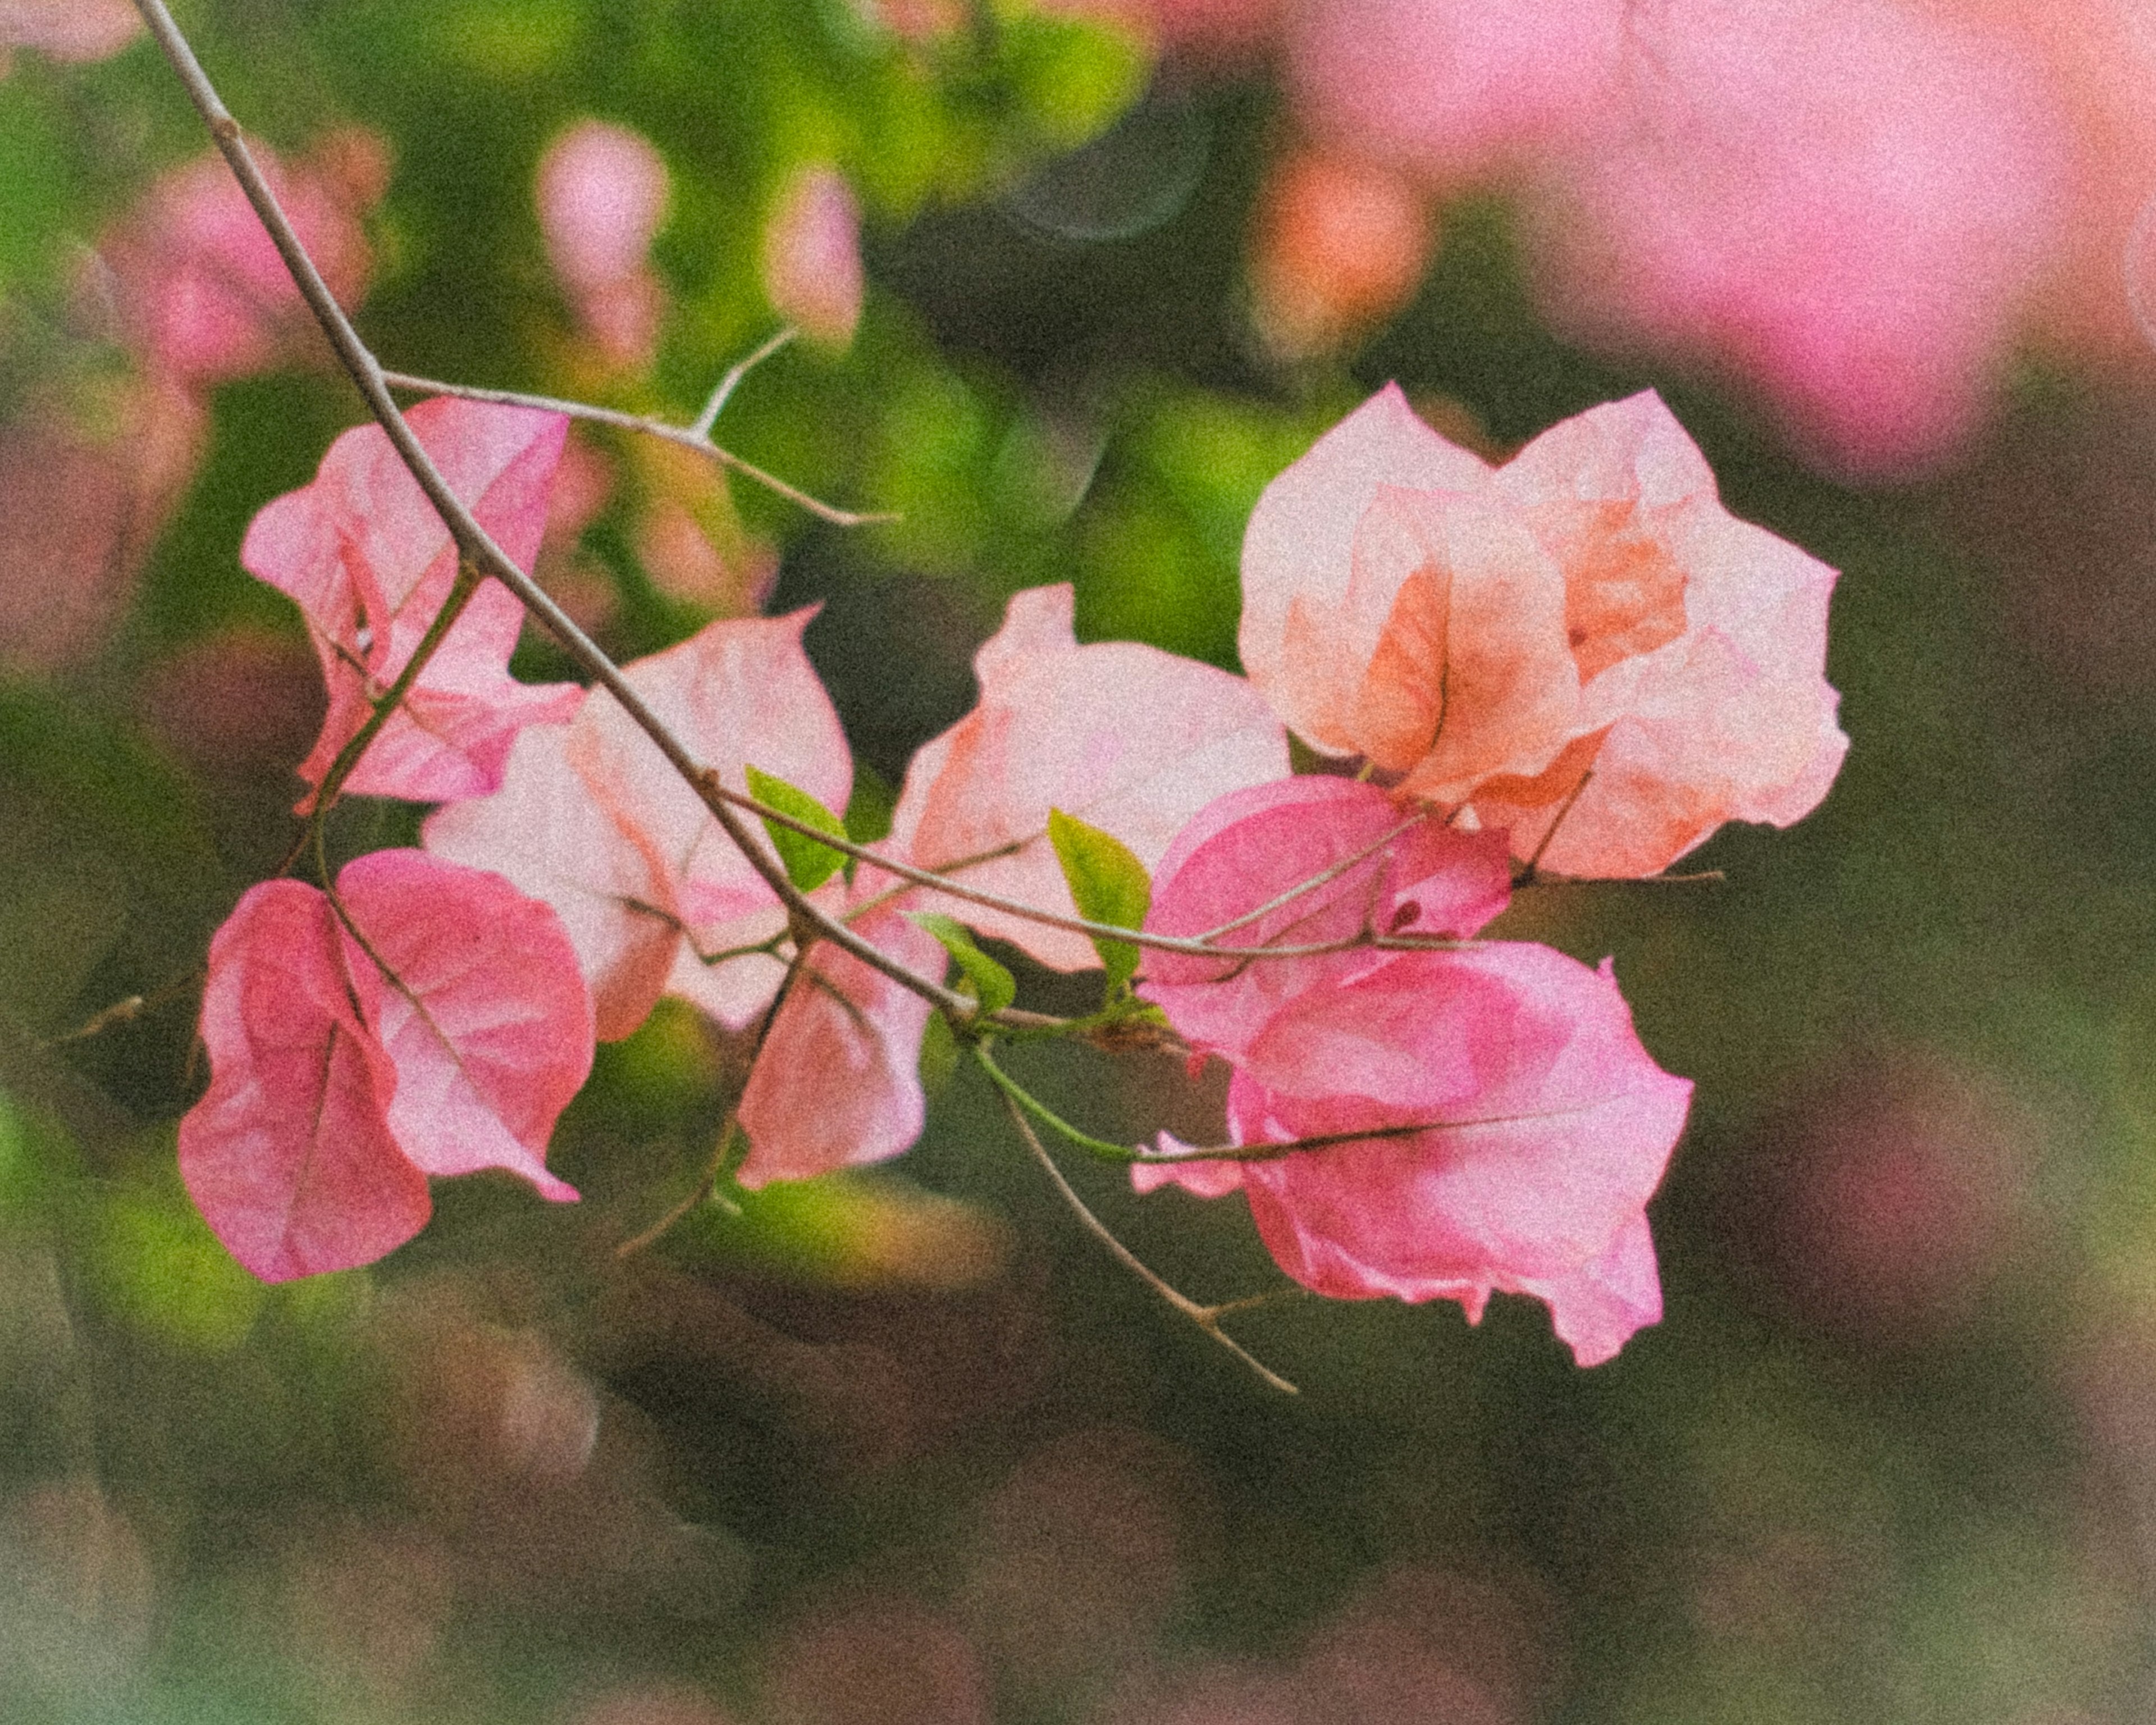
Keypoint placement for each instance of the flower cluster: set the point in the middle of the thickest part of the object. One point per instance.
(1578, 661)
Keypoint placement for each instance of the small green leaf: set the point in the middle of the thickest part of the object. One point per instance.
(808, 864)
(1108, 884)
(993, 987)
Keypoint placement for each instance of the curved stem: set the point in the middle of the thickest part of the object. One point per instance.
(715, 403)
(706, 1188)
(688, 436)
(1206, 1318)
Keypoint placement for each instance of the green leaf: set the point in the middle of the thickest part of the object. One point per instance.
(808, 864)
(993, 987)
(1108, 884)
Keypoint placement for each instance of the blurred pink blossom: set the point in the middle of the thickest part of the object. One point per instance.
(78, 514)
(1846, 202)
(203, 296)
(1457, 91)
(67, 29)
(1895, 1193)
(1856, 206)
(602, 192)
(812, 256)
(1340, 244)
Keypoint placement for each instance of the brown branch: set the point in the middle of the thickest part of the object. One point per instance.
(690, 436)
(473, 541)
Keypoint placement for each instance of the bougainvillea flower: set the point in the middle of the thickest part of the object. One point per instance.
(592, 819)
(1545, 1129)
(737, 694)
(1584, 640)
(837, 1083)
(1252, 847)
(367, 559)
(1128, 738)
(336, 1087)
(204, 295)
(546, 832)
(812, 256)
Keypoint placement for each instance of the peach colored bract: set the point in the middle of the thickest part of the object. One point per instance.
(1582, 647)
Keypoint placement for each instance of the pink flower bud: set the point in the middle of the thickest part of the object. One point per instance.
(812, 256)
(601, 192)
(67, 29)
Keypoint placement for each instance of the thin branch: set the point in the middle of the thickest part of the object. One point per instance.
(703, 422)
(1265, 1150)
(1194, 947)
(467, 583)
(1698, 877)
(687, 436)
(473, 541)
(706, 1188)
(1323, 879)
(1206, 1318)
(1527, 875)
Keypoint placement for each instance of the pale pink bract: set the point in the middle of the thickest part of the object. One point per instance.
(1416, 875)
(812, 256)
(370, 564)
(837, 1083)
(1126, 737)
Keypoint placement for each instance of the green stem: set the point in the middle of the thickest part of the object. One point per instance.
(348, 757)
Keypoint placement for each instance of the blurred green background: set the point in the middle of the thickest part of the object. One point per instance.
(906, 1447)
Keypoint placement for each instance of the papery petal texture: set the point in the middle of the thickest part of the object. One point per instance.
(739, 693)
(1296, 641)
(1546, 1127)
(289, 1156)
(370, 563)
(1584, 646)
(1126, 738)
(1394, 870)
(837, 1082)
(546, 831)
(484, 1012)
